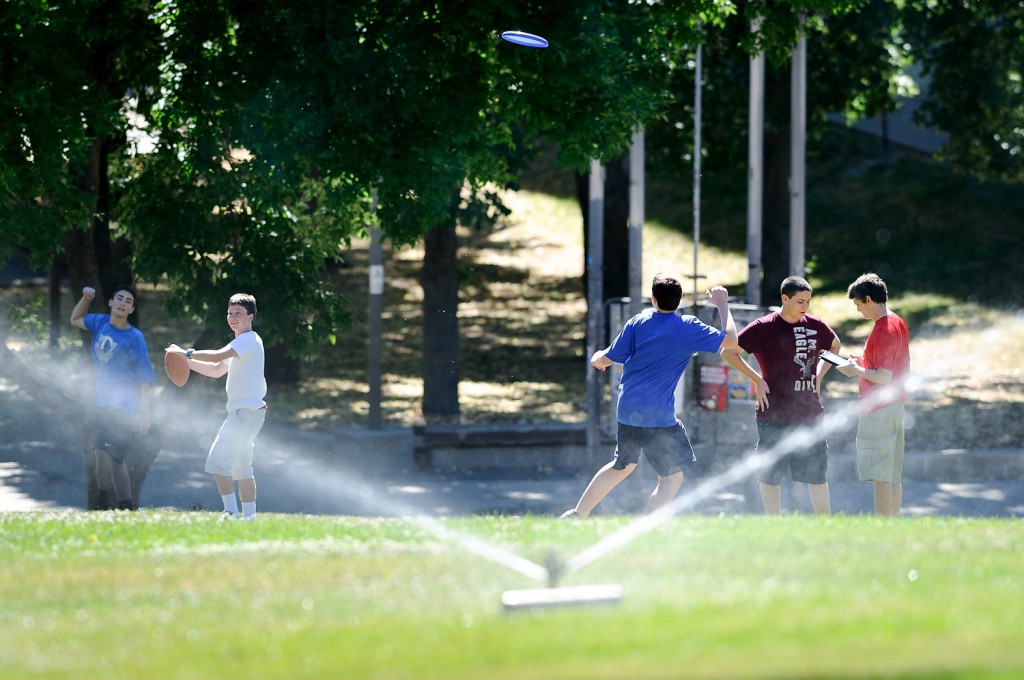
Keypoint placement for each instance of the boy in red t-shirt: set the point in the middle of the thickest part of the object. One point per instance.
(883, 373)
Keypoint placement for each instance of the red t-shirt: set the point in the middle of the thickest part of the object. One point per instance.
(788, 356)
(888, 347)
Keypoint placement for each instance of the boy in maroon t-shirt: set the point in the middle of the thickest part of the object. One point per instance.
(883, 372)
(786, 345)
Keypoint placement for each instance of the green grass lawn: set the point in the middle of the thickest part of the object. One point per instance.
(176, 595)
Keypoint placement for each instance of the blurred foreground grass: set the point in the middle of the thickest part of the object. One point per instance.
(177, 595)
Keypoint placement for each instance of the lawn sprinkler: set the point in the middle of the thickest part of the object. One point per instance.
(560, 596)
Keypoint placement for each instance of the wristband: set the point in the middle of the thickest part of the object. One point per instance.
(188, 352)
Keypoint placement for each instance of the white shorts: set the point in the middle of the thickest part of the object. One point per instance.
(231, 453)
(880, 445)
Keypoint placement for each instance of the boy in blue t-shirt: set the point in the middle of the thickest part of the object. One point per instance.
(121, 392)
(654, 348)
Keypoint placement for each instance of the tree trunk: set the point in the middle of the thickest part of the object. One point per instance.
(93, 260)
(777, 169)
(56, 309)
(439, 278)
(616, 226)
(615, 280)
(83, 269)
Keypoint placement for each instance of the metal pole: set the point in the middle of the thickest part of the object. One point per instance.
(636, 222)
(697, 113)
(798, 155)
(595, 309)
(374, 322)
(755, 179)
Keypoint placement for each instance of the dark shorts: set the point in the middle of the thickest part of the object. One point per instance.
(667, 449)
(115, 440)
(807, 463)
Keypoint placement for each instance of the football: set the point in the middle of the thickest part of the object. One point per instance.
(176, 366)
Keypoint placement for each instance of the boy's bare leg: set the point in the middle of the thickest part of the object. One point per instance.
(819, 498)
(247, 490)
(606, 479)
(665, 492)
(225, 484)
(121, 481)
(771, 496)
(888, 498)
(104, 480)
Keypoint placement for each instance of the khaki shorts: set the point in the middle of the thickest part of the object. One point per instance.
(880, 445)
(231, 453)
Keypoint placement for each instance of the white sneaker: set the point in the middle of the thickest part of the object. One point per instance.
(248, 518)
(228, 517)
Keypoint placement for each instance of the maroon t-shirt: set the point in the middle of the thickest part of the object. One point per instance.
(787, 354)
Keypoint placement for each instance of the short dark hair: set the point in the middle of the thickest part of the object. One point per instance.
(667, 292)
(126, 288)
(868, 285)
(793, 285)
(244, 300)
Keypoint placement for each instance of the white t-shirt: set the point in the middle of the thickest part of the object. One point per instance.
(246, 385)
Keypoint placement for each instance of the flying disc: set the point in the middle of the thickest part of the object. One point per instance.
(525, 39)
(177, 368)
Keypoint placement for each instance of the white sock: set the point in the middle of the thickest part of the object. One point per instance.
(248, 509)
(230, 503)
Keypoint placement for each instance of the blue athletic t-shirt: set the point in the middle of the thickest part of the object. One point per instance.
(654, 349)
(122, 364)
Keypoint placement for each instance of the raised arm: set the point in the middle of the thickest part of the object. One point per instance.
(719, 297)
(78, 313)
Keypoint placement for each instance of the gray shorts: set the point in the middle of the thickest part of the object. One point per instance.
(880, 445)
(231, 453)
(807, 464)
(115, 434)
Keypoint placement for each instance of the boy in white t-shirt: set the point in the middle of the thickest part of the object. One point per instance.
(242, 359)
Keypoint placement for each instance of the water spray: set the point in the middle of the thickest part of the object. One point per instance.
(755, 461)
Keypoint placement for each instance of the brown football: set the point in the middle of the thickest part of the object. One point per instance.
(177, 368)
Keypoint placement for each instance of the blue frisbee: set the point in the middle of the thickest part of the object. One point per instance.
(525, 39)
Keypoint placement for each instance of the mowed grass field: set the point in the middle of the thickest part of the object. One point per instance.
(158, 594)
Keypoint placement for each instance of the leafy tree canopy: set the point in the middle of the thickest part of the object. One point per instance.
(272, 121)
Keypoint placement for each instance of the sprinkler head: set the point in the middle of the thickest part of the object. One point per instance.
(536, 598)
(555, 566)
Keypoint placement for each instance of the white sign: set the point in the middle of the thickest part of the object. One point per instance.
(376, 279)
